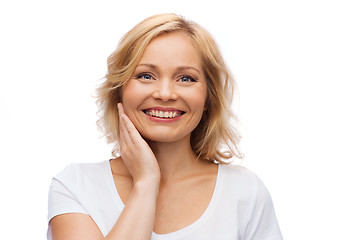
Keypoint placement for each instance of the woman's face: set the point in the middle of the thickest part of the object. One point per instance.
(165, 97)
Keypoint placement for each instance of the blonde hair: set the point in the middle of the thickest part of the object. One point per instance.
(215, 130)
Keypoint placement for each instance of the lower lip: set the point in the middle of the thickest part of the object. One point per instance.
(163, 120)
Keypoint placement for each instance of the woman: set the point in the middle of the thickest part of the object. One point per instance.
(165, 104)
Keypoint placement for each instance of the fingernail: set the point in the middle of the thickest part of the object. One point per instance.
(118, 106)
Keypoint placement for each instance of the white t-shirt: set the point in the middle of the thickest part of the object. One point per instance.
(240, 209)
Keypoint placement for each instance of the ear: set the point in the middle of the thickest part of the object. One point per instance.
(206, 105)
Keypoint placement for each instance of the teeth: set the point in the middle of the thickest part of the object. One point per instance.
(163, 114)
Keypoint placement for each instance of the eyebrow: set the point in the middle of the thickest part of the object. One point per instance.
(179, 68)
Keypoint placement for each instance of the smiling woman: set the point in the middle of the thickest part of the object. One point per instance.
(165, 103)
(215, 126)
(167, 87)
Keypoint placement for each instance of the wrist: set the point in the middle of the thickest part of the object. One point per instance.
(147, 185)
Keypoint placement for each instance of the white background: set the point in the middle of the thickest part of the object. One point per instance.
(283, 55)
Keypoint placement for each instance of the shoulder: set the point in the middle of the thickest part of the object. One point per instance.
(243, 183)
(237, 172)
(79, 176)
(250, 202)
(75, 169)
(79, 182)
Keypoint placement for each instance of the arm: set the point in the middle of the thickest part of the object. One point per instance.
(137, 218)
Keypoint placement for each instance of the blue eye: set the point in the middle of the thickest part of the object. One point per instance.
(144, 76)
(187, 79)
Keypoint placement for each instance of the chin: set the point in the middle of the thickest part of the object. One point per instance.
(162, 137)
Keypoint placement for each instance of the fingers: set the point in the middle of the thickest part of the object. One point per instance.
(128, 130)
(123, 132)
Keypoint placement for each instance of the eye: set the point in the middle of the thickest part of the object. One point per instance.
(186, 79)
(144, 76)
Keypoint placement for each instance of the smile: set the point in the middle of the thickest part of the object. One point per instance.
(163, 114)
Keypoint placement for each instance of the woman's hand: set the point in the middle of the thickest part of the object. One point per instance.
(136, 153)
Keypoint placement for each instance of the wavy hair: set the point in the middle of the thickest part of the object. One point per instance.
(215, 137)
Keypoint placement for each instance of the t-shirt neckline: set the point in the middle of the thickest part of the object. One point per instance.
(183, 231)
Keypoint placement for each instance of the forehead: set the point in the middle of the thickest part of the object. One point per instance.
(172, 50)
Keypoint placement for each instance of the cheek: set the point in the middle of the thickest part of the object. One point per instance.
(197, 99)
(133, 96)
(130, 95)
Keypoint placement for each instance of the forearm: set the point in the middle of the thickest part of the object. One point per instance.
(137, 218)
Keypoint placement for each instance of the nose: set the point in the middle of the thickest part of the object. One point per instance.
(165, 90)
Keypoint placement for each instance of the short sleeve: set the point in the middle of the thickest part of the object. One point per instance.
(84, 188)
(263, 224)
(61, 200)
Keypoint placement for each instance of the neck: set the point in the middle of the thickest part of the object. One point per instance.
(175, 159)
